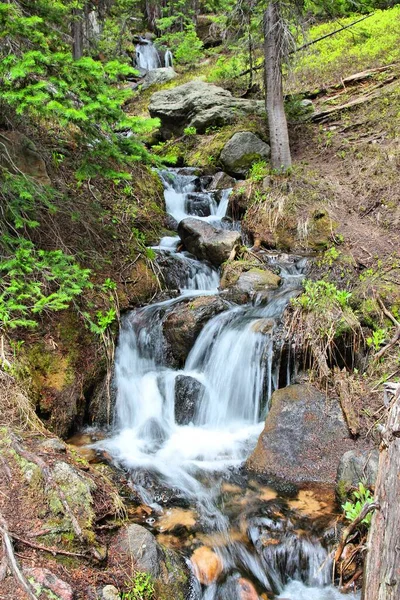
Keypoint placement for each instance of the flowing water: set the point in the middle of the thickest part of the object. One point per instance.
(147, 56)
(235, 365)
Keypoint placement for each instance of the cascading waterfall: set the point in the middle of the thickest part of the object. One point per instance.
(168, 59)
(147, 56)
(234, 360)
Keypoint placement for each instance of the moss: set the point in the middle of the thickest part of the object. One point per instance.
(77, 490)
(174, 580)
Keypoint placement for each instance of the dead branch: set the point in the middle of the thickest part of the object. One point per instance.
(367, 508)
(53, 551)
(396, 336)
(12, 561)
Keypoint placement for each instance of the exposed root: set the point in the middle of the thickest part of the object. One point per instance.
(367, 508)
(12, 561)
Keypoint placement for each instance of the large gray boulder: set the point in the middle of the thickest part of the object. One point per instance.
(303, 438)
(206, 242)
(200, 105)
(183, 324)
(241, 151)
(158, 77)
(355, 466)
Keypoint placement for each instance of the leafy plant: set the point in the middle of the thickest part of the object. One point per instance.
(140, 587)
(377, 339)
(258, 171)
(190, 131)
(352, 509)
(318, 294)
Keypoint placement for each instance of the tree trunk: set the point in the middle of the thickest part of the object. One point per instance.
(382, 566)
(277, 124)
(77, 33)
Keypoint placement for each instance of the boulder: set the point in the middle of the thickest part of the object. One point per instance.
(244, 280)
(158, 77)
(200, 105)
(184, 322)
(206, 242)
(209, 30)
(135, 548)
(19, 154)
(188, 392)
(303, 438)
(241, 151)
(222, 181)
(52, 586)
(355, 466)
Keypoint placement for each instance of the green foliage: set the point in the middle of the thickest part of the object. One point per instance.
(40, 79)
(352, 509)
(35, 281)
(190, 131)
(374, 41)
(140, 587)
(319, 295)
(258, 171)
(377, 339)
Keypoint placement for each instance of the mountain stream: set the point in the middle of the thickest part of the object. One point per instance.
(187, 466)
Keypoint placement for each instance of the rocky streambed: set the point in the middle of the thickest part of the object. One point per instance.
(232, 462)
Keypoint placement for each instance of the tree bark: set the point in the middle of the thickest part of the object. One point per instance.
(77, 33)
(382, 566)
(277, 124)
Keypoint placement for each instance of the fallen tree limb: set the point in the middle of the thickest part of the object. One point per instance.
(396, 336)
(12, 561)
(53, 551)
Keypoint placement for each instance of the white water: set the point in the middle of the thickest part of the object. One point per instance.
(168, 59)
(147, 57)
(234, 359)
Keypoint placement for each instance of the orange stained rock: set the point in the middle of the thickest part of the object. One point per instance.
(207, 565)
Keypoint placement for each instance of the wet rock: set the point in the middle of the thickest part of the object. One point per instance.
(206, 242)
(241, 151)
(356, 466)
(200, 105)
(207, 565)
(185, 321)
(303, 438)
(102, 402)
(188, 392)
(221, 181)
(198, 204)
(46, 579)
(244, 280)
(135, 547)
(239, 199)
(19, 153)
(158, 77)
(110, 592)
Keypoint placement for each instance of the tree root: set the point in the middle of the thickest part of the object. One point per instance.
(53, 551)
(12, 561)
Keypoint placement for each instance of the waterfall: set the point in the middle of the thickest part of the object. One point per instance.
(168, 59)
(236, 364)
(147, 57)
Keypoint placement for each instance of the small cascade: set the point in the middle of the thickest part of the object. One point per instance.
(234, 366)
(186, 195)
(168, 59)
(147, 56)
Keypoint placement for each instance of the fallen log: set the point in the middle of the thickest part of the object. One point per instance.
(382, 565)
